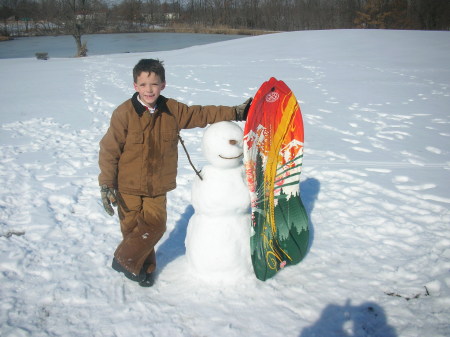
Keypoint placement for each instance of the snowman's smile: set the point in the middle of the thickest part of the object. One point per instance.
(230, 157)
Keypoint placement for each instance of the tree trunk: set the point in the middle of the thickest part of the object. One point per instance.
(81, 47)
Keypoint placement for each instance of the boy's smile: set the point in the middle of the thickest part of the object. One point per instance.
(149, 87)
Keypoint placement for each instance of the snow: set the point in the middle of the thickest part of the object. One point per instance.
(375, 181)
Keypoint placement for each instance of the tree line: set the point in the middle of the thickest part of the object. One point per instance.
(78, 17)
(288, 15)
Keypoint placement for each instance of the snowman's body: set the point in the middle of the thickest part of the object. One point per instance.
(218, 234)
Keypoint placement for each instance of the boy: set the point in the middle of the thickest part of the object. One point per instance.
(138, 164)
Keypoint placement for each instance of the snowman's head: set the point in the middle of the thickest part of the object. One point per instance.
(222, 144)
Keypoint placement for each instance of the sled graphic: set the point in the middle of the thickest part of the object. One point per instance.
(273, 154)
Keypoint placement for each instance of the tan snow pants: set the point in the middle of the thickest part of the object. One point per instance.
(143, 223)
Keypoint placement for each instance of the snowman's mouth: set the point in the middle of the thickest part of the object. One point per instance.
(230, 157)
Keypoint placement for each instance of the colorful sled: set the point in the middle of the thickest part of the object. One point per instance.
(273, 153)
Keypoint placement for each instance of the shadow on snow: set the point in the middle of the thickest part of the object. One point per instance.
(309, 191)
(365, 320)
(173, 247)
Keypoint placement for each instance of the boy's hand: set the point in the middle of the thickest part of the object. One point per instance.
(242, 110)
(108, 198)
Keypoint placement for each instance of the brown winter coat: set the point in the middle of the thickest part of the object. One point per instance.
(138, 154)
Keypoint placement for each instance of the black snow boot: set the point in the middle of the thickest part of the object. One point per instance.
(148, 281)
(133, 277)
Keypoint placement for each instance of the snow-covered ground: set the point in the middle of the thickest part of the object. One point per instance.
(376, 180)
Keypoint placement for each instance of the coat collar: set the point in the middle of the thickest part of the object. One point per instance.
(140, 109)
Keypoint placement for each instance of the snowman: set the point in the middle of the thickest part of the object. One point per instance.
(218, 234)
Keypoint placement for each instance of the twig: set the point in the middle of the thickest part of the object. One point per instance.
(11, 233)
(409, 298)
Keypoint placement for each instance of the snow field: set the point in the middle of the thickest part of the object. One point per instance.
(375, 184)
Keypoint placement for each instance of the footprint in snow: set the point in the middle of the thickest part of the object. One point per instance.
(433, 150)
(361, 149)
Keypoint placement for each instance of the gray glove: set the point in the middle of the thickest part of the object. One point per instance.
(242, 110)
(108, 198)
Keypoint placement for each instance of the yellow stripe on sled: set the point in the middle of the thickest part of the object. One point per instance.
(274, 156)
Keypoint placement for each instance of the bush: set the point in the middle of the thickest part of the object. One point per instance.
(42, 56)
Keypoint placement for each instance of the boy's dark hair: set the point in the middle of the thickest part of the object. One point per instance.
(149, 66)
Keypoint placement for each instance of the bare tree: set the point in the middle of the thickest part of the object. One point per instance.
(5, 13)
(433, 14)
(79, 17)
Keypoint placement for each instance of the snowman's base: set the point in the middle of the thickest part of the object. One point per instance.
(218, 249)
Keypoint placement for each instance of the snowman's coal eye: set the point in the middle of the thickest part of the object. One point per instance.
(233, 142)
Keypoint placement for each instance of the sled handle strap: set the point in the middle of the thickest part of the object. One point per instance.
(184, 147)
(189, 157)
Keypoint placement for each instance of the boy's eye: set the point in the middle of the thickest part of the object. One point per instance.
(155, 85)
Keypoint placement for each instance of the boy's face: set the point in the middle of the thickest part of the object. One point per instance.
(149, 87)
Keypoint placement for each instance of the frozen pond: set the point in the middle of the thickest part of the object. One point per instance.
(100, 44)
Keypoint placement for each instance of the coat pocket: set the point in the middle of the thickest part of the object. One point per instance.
(136, 137)
(169, 148)
(169, 138)
(131, 161)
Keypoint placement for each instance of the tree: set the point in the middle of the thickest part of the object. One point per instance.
(347, 10)
(131, 11)
(79, 17)
(5, 13)
(153, 11)
(74, 13)
(433, 14)
(372, 15)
